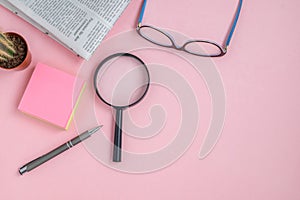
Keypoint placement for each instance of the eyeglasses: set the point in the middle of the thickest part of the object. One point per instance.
(162, 38)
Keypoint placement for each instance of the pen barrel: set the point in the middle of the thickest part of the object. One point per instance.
(40, 160)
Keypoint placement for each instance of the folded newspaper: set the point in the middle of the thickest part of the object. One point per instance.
(79, 25)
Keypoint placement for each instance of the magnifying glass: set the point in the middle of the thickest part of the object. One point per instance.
(121, 81)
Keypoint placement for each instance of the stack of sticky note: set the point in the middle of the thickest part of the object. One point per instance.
(52, 95)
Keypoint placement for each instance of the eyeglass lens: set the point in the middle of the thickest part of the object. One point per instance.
(155, 36)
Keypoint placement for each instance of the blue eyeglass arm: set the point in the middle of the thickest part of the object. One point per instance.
(142, 13)
(236, 17)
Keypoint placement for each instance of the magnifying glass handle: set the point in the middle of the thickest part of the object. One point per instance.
(118, 136)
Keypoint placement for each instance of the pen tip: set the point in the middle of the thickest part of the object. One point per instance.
(95, 129)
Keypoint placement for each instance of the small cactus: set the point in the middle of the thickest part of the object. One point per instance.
(7, 49)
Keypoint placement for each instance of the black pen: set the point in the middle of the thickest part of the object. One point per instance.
(40, 160)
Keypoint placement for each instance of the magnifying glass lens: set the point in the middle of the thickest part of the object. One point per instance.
(122, 81)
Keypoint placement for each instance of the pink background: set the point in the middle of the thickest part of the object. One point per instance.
(257, 156)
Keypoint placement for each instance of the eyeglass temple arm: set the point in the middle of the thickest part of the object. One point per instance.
(142, 13)
(232, 28)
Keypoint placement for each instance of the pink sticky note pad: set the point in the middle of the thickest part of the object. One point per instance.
(52, 95)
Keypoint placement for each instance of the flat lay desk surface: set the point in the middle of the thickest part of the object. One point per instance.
(257, 155)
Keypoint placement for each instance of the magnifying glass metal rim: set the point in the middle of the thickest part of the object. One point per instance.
(109, 58)
(119, 109)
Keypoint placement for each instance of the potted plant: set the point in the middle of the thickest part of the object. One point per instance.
(14, 51)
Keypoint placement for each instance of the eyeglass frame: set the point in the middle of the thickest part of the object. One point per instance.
(222, 48)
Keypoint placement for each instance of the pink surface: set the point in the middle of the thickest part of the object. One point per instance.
(258, 154)
(49, 95)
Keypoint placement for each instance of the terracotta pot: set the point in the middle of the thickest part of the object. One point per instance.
(27, 59)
